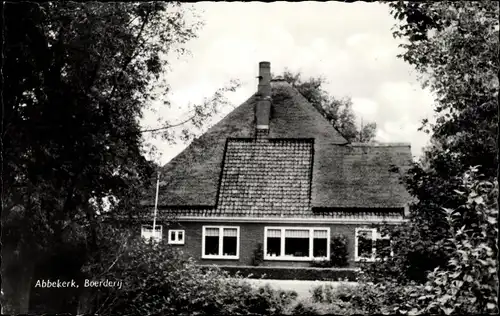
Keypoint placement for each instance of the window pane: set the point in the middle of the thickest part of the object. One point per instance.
(147, 232)
(297, 247)
(180, 236)
(157, 233)
(172, 235)
(297, 233)
(273, 246)
(230, 232)
(274, 233)
(212, 231)
(320, 234)
(229, 245)
(320, 247)
(365, 244)
(211, 245)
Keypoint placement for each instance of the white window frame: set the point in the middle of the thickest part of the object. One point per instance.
(155, 238)
(375, 235)
(283, 257)
(176, 241)
(221, 240)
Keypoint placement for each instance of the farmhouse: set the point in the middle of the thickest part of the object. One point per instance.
(275, 175)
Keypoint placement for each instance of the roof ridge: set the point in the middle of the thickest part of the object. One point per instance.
(300, 93)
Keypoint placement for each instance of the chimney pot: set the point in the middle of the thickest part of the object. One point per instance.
(263, 106)
(264, 88)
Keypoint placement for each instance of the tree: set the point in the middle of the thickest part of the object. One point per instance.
(454, 46)
(77, 78)
(337, 111)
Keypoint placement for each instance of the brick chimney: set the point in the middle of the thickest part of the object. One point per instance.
(263, 105)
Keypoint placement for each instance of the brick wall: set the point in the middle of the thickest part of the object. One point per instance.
(250, 235)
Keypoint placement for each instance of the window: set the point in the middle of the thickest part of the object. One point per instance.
(220, 242)
(147, 232)
(371, 245)
(176, 237)
(296, 243)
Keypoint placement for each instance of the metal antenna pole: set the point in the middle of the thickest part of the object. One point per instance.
(156, 203)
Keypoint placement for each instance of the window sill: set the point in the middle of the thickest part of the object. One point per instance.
(220, 257)
(176, 243)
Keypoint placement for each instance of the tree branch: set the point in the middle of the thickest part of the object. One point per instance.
(131, 56)
(167, 126)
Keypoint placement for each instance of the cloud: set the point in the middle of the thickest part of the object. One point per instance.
(403, 99)
(350, 44)
(365, 108)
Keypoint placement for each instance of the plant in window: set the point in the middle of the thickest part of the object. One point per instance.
(258, 255)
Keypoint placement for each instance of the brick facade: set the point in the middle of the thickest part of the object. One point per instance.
(251, 234)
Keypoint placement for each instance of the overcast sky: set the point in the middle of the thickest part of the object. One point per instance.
(350, 44)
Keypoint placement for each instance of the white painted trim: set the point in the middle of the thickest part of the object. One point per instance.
(176, 241)
(221, 238)
(357, 258)
(375, 235)
(262, 126)
(288, 220)
(157, 239)
(282, 256)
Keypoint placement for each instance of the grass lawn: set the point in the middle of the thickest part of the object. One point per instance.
(301, 287)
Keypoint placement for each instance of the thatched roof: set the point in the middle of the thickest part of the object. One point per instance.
(342, 175)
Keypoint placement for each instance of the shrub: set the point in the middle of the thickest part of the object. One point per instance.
(339, 255)
(414, 257)
(258, 255)
(268, 301)
(307, 308)
(468, 283)
(157, 280)
(336, 300)
(366, 298)
(292, 273)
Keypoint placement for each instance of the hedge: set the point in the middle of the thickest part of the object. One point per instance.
(291, 273)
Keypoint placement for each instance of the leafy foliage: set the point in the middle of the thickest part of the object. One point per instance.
(454, 46)
(365, 299)
(337, 111)
(158, 279)
(468, 282)
(258, 255)
(339, 255)
(77, 79)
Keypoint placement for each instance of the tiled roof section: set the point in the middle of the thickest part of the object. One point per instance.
(266, 178)
(343, 175)
(192, 177)
(360, 175)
